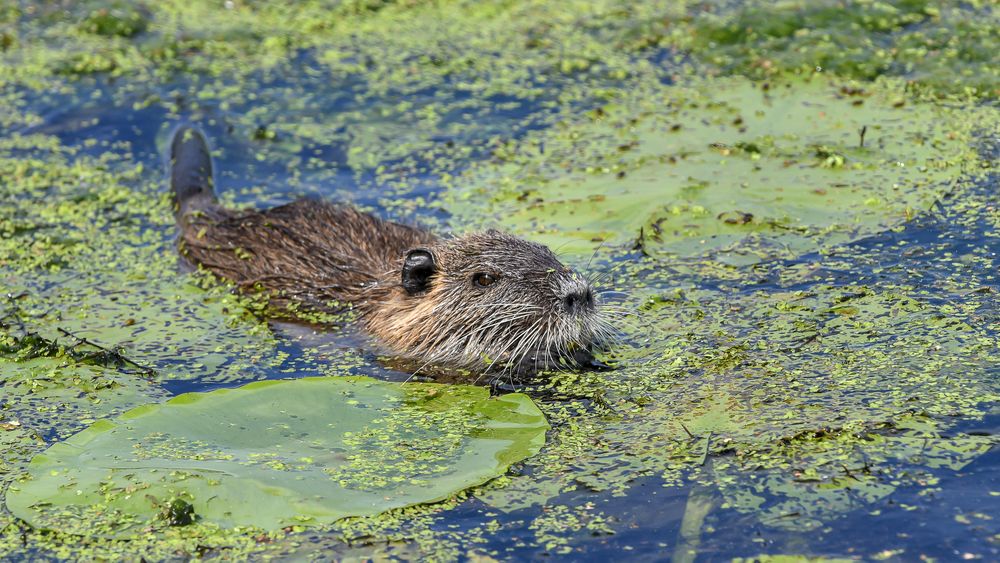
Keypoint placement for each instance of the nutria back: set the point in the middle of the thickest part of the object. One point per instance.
(485, 300)
(311, 252)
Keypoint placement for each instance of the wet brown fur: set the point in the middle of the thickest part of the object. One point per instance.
(314, 253)
(323, 256)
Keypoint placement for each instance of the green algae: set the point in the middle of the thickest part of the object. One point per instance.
(90, 259)
(814, 415)
(831, 475)
(946, 46)
(119, 20)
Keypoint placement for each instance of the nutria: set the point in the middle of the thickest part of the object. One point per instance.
(483, 300)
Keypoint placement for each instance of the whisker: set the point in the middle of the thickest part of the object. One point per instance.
(596, 250)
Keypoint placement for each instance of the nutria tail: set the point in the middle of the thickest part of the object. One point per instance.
(191, 181)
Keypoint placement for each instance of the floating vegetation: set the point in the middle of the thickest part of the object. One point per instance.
(731, 169)
(943, 46)
(276, 454)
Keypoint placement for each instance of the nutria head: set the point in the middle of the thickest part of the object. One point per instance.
(487, 300)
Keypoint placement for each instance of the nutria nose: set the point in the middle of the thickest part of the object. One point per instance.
(578, 300)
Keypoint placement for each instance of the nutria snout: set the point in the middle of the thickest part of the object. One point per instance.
(486, 300)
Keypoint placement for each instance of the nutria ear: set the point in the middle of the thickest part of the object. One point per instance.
(418, 267)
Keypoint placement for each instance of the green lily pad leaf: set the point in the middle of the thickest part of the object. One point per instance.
(277, 453)
(734, 168)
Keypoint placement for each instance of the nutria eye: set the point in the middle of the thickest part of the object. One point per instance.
(483, 279)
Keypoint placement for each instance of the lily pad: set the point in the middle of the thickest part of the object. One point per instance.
(739, 169)
(277, 453)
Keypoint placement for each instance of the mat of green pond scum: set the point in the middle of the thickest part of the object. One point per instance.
(275, 454)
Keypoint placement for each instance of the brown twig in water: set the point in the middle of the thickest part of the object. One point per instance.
(112, 353)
